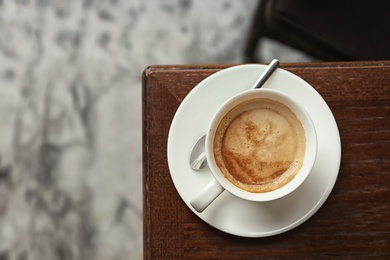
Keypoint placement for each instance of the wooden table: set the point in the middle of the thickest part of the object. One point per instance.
(354, 222)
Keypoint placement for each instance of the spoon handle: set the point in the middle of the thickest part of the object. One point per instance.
(266, 74)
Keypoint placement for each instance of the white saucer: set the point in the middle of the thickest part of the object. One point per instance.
(229, 213)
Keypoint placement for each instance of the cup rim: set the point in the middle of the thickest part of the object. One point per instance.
(310, 154)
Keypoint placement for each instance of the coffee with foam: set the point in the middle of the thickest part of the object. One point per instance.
(260, 145)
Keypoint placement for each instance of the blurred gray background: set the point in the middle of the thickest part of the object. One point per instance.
(70, 113)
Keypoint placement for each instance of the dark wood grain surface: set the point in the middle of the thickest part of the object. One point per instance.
(354, 222)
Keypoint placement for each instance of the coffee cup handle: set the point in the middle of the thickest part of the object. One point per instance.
(206, 196)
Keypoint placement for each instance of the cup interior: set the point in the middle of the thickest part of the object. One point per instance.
(310, 153)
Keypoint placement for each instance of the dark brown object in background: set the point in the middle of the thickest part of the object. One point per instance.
(334, 30)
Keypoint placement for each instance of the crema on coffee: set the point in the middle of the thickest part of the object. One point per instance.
(260, 145)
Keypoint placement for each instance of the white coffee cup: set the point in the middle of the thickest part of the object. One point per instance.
(220, 183)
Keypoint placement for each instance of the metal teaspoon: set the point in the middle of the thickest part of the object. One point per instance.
(198, 159)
